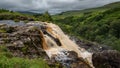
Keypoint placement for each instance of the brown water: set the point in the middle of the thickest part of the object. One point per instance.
(56, 44)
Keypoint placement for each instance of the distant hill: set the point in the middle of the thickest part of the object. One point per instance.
(27, 12)
(112, 5)
(101, 25)
(79, 12)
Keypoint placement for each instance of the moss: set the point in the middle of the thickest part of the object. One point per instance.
(4, 51)
(26, 21)
(16, 20)
(2, 31)
(24, 49)
(3, 48)
(7, 29)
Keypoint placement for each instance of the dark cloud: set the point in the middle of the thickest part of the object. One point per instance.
(53, 6)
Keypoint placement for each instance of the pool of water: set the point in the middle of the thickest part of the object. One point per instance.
(12, 23)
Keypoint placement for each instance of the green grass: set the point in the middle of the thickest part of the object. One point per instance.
(2, 31)
(8, 61)
(15, 62)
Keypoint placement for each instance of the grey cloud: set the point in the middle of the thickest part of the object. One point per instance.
(53, 6)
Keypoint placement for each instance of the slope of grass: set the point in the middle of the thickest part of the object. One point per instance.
(21, 63)
(8, 61)
(98, 26)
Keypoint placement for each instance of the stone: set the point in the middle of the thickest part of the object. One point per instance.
(106, 59)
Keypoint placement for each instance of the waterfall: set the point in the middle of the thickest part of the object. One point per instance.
(57, 45)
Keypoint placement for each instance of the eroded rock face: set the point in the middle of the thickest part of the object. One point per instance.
(22, 41)
(106, 59)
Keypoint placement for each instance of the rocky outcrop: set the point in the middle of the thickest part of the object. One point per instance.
(106, 59)
(22, 41)
(90, 46)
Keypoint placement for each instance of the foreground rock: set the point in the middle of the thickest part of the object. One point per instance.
(22, 41)
(107, 59)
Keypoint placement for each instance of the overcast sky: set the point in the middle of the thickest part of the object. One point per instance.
(53, 6)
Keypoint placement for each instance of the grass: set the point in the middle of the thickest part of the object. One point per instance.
(2, 31)
(8, 61)
(16, 62)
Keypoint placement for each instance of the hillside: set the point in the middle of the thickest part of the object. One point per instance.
(99, 25)
(112, 5)
(78, 13)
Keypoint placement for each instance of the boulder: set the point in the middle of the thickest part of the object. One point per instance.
(106, 59)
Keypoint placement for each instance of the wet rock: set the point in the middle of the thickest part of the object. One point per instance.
(73, 54)
(1, 25)
(106, 59)
(79, 63)
(90, 46)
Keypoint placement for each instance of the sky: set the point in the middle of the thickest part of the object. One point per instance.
(53, 6)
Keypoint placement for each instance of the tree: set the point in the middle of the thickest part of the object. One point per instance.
(115, 27)
(47, 17)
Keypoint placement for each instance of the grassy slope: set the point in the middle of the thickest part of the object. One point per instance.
(8, 61)
(96, 24)
(10, 15)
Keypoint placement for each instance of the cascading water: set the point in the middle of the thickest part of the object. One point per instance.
(57, 45)
(60, 55)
